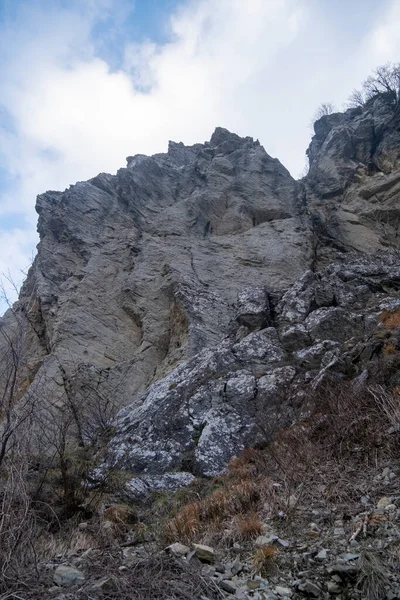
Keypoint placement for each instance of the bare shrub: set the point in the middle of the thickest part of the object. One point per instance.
(153, 577)
(13, 382)
(384, 82)
(356, 99)
(324, 109)
(388, 403)
(18, 523)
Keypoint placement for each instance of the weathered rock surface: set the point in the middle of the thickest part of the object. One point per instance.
(353, 184)
(239, 393)
(203, 288)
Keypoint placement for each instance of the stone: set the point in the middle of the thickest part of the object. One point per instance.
(349, 557)
(253, 584)
(236, 566)
(66, 576)
(228, 586)
(265, 540)
(178, 549)
(283, 591)
(105, 585)
(344, 571)
(208, 571)
(338, 530)
(322, 555)
(384, 502)
(253, 309)
(333, 587)
(309, 588)
(295, 337)
(204, 553)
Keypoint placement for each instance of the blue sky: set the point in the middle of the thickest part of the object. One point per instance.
(85, 83)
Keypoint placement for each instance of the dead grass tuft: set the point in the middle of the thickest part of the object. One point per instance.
(373, 578)
(264, 560)
(186, 525)
(210, 513)
(391, 319)
(248, 527)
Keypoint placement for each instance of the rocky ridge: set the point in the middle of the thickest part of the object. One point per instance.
(202, 289)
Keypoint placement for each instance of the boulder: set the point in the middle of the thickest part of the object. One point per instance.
(204, 553)
(66, 576)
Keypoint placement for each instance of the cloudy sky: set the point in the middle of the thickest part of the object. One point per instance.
(85, 83)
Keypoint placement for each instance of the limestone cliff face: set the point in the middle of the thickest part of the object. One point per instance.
(353, 183)
(187, 288)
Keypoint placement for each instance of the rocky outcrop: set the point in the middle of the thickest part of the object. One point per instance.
(200, 290)
(353, 183)
(241, 393)
(139, 271)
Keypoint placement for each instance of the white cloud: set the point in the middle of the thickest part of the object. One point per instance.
(259, 68)
(385, 42)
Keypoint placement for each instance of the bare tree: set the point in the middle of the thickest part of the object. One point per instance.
(16, 405)
(324, 109)
(356, 99)
(385, 82)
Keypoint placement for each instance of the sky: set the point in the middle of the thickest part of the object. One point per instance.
(85, 83)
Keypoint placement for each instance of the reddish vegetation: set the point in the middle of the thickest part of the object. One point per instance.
(391, 319)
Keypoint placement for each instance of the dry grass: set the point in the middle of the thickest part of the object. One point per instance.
(373, 579)
(390, 334)
(390, 349)
(153, 577)
(248, 526)
(186, 525)
(319, 460)
(264, 560)
(391, 319)
(213, 513)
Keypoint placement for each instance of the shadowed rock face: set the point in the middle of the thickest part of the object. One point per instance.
(185, 288)
(353, 184)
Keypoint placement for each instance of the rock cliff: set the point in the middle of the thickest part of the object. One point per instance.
(202, 290)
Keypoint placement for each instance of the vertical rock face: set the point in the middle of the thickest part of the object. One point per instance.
(354, 179)
(138, 271)
(184, 288)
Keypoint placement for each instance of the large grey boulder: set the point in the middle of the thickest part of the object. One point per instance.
(253, 310)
